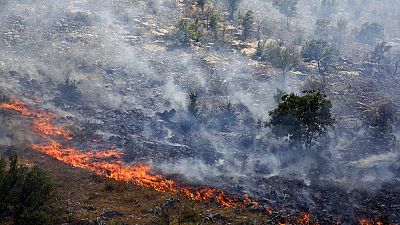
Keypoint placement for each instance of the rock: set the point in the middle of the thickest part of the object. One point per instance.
(91, 208)
(216, 217)
(99, 221)
(86, 222)
(106, 215)
(93, 196)
(166, 115)
(13, 73)
(248, 51)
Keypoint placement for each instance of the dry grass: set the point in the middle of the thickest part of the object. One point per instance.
(84, 196)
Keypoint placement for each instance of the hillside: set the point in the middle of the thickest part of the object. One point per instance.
(205, 111)
(86, 198)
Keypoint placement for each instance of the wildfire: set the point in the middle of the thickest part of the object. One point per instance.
(109, 163)
(42, 120)
(365, 222)
(304, 218)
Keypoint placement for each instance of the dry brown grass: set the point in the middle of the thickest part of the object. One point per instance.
(84, 196)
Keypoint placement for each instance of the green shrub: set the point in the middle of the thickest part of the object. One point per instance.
(26, 194)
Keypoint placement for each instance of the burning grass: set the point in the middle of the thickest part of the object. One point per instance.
(43, 121)
(109, 163)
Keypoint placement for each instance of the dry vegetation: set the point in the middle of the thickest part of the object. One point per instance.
(85, 198)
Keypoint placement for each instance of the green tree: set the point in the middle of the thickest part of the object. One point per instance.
(201, 4)
(382, 116)
(320, 51)
(32, 201)
(193, 107)
(232, 8)
(183, 33)
(328, 8)
(260, 50)
(379, 54)
(213, 23)
(370, 33)
(26, 194)
(196, 30)
(287, 7)
(247, 24)
(10, 179)
(283, 59)
(339, 33)
(186, 31)
(322, 29)
(302, 118)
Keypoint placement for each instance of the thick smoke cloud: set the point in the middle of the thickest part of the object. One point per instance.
(115, 51)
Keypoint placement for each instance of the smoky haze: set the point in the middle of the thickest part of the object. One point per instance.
(119, 55)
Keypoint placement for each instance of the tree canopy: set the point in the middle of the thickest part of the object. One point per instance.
(247, 24)
(370, 33)
(283, 59)
(287, 8)
(193, 104)
(302, 119)
(318, 50)
(232, 8)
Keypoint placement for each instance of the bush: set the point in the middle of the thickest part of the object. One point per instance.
(382, 116)
(175, 212)
(320, 51)
(280, 57)
(26, 194)
(284, 59)
(193, 107)
(247, 24)
(186, 31)
(370, 33)
(69, 91)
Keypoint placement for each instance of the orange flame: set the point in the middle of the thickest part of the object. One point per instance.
(304, 218)
(109, 163)
(42, 120)
(365, 222)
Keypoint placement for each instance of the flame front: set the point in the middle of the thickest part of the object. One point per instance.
(42, 120)
(365, 221)
(109, 162)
